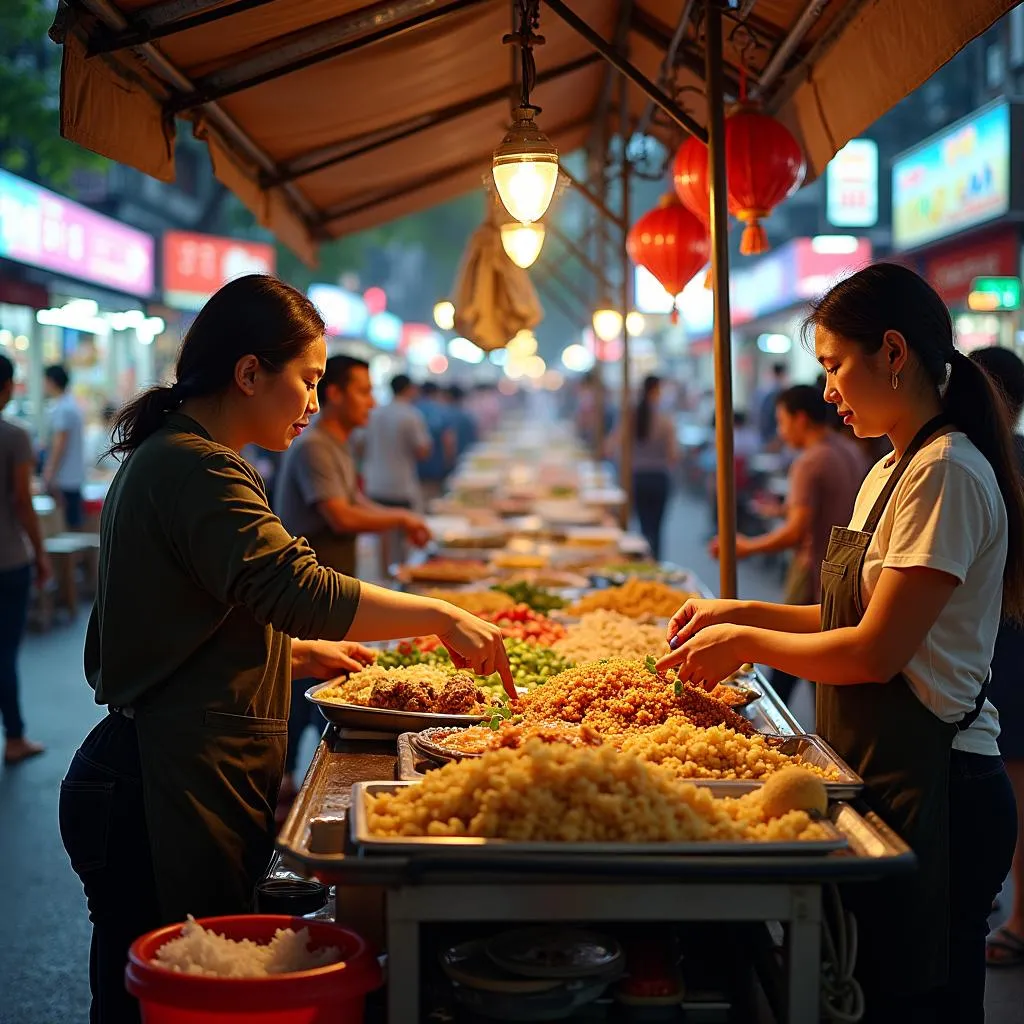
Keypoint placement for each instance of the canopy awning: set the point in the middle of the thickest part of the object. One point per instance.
(329, 116)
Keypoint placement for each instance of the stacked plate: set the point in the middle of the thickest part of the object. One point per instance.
(533, 974)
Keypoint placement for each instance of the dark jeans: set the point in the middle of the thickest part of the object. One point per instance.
(72, 506)
(983, 831)
(15, 590)
(301, 716)
(650, 492)
(103, 827)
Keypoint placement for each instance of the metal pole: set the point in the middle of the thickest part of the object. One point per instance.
(626, 403)
(719, 223)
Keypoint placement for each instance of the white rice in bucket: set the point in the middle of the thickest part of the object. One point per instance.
(199, 951)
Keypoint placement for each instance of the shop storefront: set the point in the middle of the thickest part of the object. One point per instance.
(956, 199)
(74, 288)
(193, 267)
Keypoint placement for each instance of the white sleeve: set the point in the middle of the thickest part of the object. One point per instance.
(942, 520)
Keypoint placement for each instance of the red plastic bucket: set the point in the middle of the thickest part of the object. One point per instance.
(326, 995)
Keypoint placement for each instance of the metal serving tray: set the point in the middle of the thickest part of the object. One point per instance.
(366, 843)
(413, 749)
(355, 716)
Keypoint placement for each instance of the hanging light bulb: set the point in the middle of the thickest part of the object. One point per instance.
(522, 242)
(444, 315)
(635, 324)
(607, 323)
(525, 168)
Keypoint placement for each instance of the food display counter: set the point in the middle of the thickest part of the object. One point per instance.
(711, 854)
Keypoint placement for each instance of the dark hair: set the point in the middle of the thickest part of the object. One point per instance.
(400, 383)
(889, 297)
(429, 387)
(6, 371)
(337, 371)
(779, 370)
(57, 376)
(456, 394)
(1006, 370)
(807, 399)
(643, 407)
(252, 315)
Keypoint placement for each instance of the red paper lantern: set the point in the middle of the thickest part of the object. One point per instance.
(671, 243)
(690, 177)
(764, 166)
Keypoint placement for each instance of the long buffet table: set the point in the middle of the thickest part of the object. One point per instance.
(391, 897)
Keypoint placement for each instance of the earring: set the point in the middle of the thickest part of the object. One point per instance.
(895, 381)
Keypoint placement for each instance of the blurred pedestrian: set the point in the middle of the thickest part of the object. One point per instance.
(21, 548)
(318, 498)
(655, 453)
(444, 445)
(64, 470)
(396, 438)
(765, 402)
(1005, 946)
(823, 483)
(463, 423)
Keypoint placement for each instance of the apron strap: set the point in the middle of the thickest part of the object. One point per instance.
(875, 515)
(972, 716)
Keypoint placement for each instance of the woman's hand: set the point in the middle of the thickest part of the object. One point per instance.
(328, 659)
(698, 613)
(479, 645)
(708, 657)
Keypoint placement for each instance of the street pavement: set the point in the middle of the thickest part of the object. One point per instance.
(44, 929)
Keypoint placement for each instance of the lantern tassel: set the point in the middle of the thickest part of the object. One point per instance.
(674, 318)
(755, 239)
(709, 279)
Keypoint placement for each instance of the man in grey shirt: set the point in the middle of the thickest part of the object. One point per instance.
(396, 439)
(64, 472)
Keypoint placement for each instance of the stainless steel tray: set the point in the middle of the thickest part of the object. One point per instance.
(366, 843)
(414, 749)
(355, 716)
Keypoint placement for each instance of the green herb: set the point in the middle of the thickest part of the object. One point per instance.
(651, 664)
(677, 688)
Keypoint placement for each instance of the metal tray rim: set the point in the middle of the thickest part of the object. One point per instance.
(388, 719)
(366, 843)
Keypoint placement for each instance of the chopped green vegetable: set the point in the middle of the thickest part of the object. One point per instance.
(651, 664)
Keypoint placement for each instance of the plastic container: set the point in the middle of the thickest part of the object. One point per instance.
(326, 995)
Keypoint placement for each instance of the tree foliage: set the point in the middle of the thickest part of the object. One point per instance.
(30, 141)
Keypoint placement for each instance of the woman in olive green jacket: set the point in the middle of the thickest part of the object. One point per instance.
(206, 607)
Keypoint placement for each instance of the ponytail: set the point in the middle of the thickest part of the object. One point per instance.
(142, 417)
(978, 409)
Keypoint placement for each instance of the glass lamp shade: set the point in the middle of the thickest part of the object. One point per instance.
(607, 323)
(444, 315)
(525, 169)
(522, 242)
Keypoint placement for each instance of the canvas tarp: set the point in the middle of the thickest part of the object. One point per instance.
(441, 84)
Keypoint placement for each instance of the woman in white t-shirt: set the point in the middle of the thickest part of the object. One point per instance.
(912, 596)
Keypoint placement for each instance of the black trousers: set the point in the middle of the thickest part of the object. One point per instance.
(983, 831)
(103, 827)
(650, 492)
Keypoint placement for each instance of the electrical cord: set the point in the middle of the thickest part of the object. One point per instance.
(842, 999)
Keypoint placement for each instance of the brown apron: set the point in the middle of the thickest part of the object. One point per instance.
(212, 762)
(902, 751)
